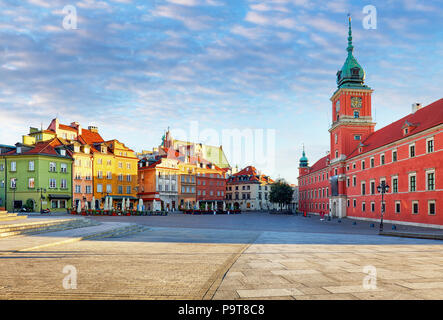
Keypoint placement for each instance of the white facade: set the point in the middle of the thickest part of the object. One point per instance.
(250, 196)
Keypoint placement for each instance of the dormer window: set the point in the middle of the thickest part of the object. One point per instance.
(406, 131)
(62, 152)
(355, 72)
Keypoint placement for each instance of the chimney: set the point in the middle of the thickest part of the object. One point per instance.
(77, 126)
(93, 129)
(416, 106)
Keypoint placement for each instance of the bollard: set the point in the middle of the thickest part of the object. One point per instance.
(372, 225)
(394, 227)
(339, 220)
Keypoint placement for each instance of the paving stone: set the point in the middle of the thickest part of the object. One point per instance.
(260, 293)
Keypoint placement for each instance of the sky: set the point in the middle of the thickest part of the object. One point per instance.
(210, 68)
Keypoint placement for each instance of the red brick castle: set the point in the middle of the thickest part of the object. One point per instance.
(406, 155)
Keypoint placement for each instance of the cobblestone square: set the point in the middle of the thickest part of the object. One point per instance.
(225, 257)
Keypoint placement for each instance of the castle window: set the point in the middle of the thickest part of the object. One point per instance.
(412, 150)
(430, 145)
(431, 207)
(356, 114)
(414, 207)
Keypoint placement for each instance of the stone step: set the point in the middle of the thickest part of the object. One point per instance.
(11, 216)
(44, 226)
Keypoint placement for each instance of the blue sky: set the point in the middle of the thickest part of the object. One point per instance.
(134, 68)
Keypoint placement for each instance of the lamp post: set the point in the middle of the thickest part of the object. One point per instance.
(382, 188)
(13, 190)
(41, 190)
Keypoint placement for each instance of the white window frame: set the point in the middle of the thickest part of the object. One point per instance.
(396, 155)
(392, 184)
(409, 150)
(429, 207)
(433, 145)
(426, 176)
(412, 207)
(395, 206)
(409, 181)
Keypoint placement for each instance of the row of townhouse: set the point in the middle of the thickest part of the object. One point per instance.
(66, 166)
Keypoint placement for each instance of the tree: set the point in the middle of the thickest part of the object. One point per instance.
(281, 193)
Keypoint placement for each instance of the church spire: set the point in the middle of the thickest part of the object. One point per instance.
(351, 75)
(350, 46)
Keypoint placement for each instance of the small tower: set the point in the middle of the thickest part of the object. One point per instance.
(303, 166)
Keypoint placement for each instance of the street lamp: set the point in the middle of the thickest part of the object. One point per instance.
(382, 188)
(41, 190)
(14, 189)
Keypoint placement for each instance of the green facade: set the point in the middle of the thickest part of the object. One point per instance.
(57, 197)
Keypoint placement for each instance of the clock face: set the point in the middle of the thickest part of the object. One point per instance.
(356, 102)
(337, 106)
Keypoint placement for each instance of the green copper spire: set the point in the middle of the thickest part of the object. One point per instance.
(350, 46)
(351, 75)
(303, 159)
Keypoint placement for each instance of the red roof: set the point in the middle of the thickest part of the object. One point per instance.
(423, 119)
(91, 137)
(65, 127)
(320, 164)
(44, 147)
(253, 175)
(249, 170)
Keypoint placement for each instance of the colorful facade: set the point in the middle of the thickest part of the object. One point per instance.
(406, 155)
(158, 182)
(187, 185)
(210, 186)
(249, 190)
(115, 174)
(38, 176)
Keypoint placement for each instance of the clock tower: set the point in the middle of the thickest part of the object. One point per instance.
(351, 124)
(351, 107)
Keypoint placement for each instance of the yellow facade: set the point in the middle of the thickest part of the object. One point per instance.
(187, 183)
(115, 173)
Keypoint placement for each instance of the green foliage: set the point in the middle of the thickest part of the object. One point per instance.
(29, 204)
(281, 193)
